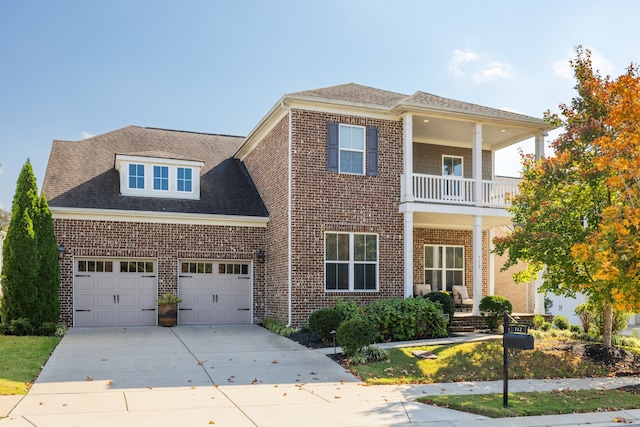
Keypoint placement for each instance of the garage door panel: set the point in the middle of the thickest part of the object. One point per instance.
(217, 296)
(113, 297)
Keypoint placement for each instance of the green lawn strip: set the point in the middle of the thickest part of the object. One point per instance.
(21, 359)
(479, 361)
(538, 403)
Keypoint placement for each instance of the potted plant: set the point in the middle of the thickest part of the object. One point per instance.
(168, 309)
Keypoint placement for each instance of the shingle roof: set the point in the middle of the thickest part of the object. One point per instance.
(354, 93)
(81, 174)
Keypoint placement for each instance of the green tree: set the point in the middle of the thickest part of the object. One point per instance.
(563, 209)
(49, 270)
(20, 252)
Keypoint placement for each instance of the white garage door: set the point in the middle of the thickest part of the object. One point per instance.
(214, 292)
(115, 292)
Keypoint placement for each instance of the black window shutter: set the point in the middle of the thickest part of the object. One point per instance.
(372, 151)
(332, 146)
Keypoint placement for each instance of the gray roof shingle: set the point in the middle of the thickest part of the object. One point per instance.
(358, 94)
(81, 174)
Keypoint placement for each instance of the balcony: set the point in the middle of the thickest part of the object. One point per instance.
(460, 191)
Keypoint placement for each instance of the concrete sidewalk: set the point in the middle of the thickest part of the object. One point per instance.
(243, 376)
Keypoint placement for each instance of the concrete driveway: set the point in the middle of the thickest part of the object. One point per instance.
(95, 358)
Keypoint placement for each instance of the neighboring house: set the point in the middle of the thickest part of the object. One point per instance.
(344, 192)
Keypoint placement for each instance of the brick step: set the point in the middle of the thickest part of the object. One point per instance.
(461, 329)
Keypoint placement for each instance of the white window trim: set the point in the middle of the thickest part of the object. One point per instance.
(122, 166)
(128, 175)
(444, 268)
(192, 179)
(351, 262)
(154, 178)
(353, 150)
(452, 157)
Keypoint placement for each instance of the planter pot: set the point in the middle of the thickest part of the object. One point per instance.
(167, 314)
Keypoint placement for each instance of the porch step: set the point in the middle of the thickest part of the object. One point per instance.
(461, 328)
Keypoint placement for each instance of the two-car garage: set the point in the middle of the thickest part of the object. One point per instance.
(123, 292)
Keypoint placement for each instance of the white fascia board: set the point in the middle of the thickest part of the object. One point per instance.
(282, 107)
(155, 160)
(158, 217)
(453, 209)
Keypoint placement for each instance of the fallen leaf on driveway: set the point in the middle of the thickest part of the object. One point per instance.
(337, 397)
(274, 361)
(201, 362)
(255, 381)
(89, 378)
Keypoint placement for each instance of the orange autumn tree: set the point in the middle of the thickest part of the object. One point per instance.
(578, 211)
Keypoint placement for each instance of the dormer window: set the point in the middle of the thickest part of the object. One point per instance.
(166, 177)
(161, 178)
(136, 176)
(185, 182)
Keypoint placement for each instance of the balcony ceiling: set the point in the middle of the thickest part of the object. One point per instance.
(456, 221)
(445, 131)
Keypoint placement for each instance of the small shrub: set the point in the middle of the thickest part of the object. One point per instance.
(348, 309)
(278, 327)
(625, 341)
(375, 354)
(492, 309)
(61, 330)
(537, 321)
(47, 329)
(323, 321)
(545, 326)
(446, 300)
(561, 322)
(586, 315)
(398, 319)
(21, 327)
(574, 328)
(355, 334)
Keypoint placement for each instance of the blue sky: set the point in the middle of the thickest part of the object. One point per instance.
(71, 69)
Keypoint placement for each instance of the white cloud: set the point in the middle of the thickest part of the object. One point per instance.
(461, 57)
(86, 135)
(562, 69)
(493, 71)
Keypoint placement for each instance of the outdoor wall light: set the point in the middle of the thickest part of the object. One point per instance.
(261, 255)
(60, 252)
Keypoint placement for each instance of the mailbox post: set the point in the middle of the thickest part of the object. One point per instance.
(516, 337)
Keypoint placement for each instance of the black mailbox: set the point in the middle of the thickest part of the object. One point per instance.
(518, 341)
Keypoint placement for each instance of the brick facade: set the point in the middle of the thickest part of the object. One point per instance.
(429, 236)
(165, 243)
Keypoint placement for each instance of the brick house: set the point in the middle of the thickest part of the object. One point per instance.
(344, 192)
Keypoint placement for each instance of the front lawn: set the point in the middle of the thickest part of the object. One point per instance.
(479, 361)
(21, 359)
(539, 403)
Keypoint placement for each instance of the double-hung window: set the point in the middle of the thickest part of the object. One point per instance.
(352, 149)
(185, 179)
(161, 178)
(443, 267)
(352, 153)
(136, 176)
(351, 262)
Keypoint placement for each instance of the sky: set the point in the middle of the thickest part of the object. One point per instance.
(73, 69)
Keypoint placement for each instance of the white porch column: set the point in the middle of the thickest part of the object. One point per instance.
(539, 148)
(491, 270)
(477, 164)
(408, 254)
(407, 147)
(538, 302)
(477, 264)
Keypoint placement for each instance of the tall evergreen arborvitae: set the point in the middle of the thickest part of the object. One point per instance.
(20, 260)
(49, 272)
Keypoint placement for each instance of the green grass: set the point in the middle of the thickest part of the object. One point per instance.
(538, 403)
(21, 359)
(479, 361)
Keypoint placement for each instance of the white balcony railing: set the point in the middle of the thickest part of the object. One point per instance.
(455, 190)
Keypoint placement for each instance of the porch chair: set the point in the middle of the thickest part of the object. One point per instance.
(461, 298)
